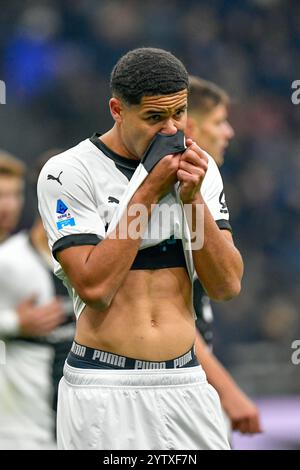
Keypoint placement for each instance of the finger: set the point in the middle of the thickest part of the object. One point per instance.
(56, 307)
(187, 177)
(189, 142)
(242, 425)
(194, 146)
(55, 316)
(57, 311)
(247, 426)
(234, 424)
(54, 304)
(194, 156)
(254, 424)
(191, 178)
(195, 160)
(49, 317)
(192, 169)
(45, 331)
(44, 313)
(54, 323)
(50, 325)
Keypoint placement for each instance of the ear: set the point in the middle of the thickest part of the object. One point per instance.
(191, 128)
(116, 108)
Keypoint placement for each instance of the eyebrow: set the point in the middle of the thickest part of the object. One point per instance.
(153, 111)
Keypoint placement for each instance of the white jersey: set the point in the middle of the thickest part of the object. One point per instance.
(26, 392)
(79, 191)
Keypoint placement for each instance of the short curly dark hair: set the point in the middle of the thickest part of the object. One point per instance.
(147, 71)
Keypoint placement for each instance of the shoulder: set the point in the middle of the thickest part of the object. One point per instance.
(14, 242)
(69, 169)
(72, 158)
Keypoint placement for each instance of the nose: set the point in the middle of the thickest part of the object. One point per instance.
(169, 127)
(229, 131)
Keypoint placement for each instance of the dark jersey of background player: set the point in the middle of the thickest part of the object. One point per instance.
(208, 124)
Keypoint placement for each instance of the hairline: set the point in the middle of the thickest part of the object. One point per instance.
(148, 95)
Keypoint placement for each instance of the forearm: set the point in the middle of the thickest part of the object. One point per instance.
(216, 374)
(218, 263)
(242, 412)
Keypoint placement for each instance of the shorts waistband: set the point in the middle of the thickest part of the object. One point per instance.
(83, 357)
(134, 378)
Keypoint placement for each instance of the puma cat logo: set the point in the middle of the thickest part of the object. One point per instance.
(113, 199)
(55, 178)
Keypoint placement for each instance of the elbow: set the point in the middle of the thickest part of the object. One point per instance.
(95, 298)
(232, 291)
(227, 291)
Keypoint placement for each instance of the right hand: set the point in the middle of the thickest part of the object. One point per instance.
(39, 320)
(162, 178)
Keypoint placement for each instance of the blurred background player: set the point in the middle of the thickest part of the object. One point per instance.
(29, 316)
(62, 337)
(208, 125)
(12, 173)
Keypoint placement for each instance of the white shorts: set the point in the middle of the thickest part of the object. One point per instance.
(139, 409)
(21, 442)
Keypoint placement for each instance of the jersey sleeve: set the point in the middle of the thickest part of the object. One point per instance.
(213, 194)
(67, 205)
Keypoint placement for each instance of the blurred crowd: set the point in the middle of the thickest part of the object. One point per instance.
(56, 57)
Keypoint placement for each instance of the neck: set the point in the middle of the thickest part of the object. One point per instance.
(3, 236)
(112, 139)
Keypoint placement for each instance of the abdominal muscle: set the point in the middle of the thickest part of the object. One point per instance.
(150, 317)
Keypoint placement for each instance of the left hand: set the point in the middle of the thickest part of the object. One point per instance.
(192, 169)
(242, 412)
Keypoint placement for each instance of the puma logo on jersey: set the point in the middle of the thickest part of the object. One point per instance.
(113, 199)
(224, 209)
(55, 178)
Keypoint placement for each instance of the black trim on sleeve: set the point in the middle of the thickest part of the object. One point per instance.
(223, 224)
(75, 240)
